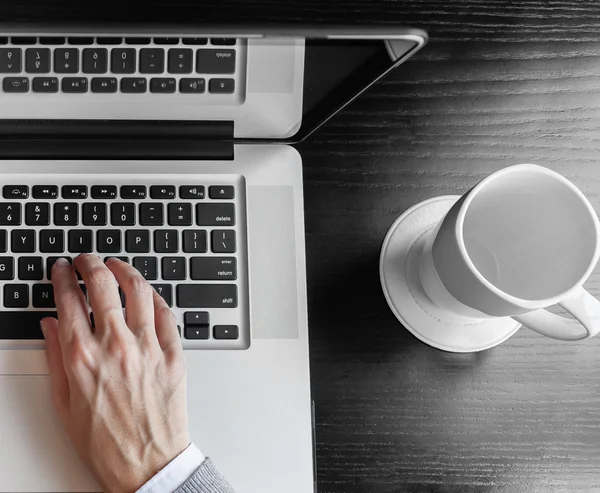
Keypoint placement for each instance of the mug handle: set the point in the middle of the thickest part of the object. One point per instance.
(582, 305)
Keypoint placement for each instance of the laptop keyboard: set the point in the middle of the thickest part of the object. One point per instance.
(108, 65)
(186, 239)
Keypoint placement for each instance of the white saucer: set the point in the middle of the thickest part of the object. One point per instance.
(399, 273)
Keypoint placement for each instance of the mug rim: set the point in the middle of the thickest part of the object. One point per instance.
(471, 266)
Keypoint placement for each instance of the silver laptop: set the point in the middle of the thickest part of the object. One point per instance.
(171, 150)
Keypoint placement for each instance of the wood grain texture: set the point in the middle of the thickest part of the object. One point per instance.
(500, 82)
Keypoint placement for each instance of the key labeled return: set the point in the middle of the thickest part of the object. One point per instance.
(213, 268)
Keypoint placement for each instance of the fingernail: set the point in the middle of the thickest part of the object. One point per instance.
(43, 327)
(61, 262)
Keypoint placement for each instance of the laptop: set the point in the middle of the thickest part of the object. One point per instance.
(173, 151)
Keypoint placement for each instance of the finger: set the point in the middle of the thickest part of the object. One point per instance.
(139, 304)
(103, 294)
(58, 376)
(70, 304)
(166, 324)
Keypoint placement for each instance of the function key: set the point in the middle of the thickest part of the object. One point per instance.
(162, 85)
(23, 40)
(122, 60)
(133, 85)
(37, 60)
(15, 84)
(221, 192)
(162, 191)
(52, 40)
(138, 41)
(104, 191)
(223, 41)
(181, 61)
(195, 41)
(74, 192)
(109, 40)
(215, 61)
(152, 60)
(104, 84)
(10, 60)
(45, 84)
(221, 86)
(15, 191)
(166, 41)
(80, 40)
(133, 192)
(191, 192)
(3, 40)
(66, 60)
(95, 60)
(45, 191)
(192, 86)
(74, 84)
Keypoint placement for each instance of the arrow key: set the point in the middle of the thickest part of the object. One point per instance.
(45, 84)
(197, 332)
(226, 332)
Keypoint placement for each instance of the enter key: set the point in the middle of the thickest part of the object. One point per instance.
(213, 268)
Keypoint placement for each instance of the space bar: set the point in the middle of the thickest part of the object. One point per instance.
(22, 325)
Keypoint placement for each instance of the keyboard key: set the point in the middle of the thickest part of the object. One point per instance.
(133, 192)
(80, 241)
(94, 214)
(137, 241)
(151, 214)
(166, 41)
(45, 84)
(221, 192)
(197, 332)
(104, 192)
(22, 324)
(15, 84)
(138, 41)
(226, 332)
(109, 40)
(7, 268)
(215, 61)
(43, 296)
(221, 86)
(104, 85)
(122, 259)
(181, 61)
(30, 269)
(52, 40)
(22, 240)
(223, 41)
(66, 61)
(194, 241)
(45, 192)
(152, 60)
(15, 192)
(3, 240)
(37, 60)
(213, 268)
(122, 214)
(17, 296)
(74, 85)
(192, 86)
(50, 261)
(191, 192)
(147, 267)
(162, 192)
(10, 60)
(80, 40)
(166, 292)
(66, 214)
(180, 214)
(52, 241)
(23, 40)
(133, 85)
(215, 215)
(109, 241)
(95, 60)
(166, 241)
(195, 41)
(37, 214)
(196, 318)
(207, 296)
(223, 241)
(74, 192)
(163, 85)
(3, 40)
(10, 214)
(122, 60)
(173, 268)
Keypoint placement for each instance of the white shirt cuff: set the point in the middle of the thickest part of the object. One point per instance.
(175, 473)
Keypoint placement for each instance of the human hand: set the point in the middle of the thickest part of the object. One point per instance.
(119, 390)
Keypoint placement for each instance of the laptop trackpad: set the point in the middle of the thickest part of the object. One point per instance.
(35, 454)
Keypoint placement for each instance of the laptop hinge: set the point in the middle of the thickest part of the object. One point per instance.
(116, 139)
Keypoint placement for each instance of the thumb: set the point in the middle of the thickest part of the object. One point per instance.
(58, 376)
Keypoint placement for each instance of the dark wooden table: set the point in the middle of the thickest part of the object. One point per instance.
(500, 83)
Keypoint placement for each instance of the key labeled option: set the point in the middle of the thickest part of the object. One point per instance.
(213, 268)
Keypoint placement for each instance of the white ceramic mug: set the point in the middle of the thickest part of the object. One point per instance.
(522, 240)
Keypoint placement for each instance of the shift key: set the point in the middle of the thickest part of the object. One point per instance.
(207, 296)
(215, 214)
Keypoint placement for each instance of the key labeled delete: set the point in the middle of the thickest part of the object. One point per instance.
(215, 215)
